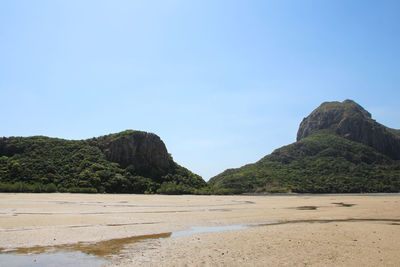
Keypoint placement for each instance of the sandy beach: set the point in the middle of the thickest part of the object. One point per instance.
(158, 230)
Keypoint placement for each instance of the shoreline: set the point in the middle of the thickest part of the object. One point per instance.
(66, 220)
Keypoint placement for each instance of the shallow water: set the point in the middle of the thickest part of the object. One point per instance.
(208, 229)
(101, 248)
(91, 254)
(73, 259)
(98, 253)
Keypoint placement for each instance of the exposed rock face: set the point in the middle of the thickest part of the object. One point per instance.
(145, 152)
(351, 121)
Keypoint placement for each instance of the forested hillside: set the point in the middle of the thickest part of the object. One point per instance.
(340, 149)
(126, 162)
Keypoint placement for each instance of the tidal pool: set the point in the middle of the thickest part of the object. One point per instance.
(62, 258)
(208, 229)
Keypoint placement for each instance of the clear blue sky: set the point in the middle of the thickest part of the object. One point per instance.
(223, 83)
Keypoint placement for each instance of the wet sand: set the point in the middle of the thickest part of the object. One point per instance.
(156, 230)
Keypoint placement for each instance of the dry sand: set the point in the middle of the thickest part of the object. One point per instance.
(315, 231)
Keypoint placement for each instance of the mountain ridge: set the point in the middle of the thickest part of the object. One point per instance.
(325, 158)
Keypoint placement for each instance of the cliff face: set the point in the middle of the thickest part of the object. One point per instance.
(351, 121)
(125, 162)
(339, 149)
(144, 152)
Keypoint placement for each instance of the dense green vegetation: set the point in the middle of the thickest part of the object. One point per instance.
(43, 164)
(340, 149)
(321, 163)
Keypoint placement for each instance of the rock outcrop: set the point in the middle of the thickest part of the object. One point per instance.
(125, 162)
(351, 121)
(339, 149)
(143, 152)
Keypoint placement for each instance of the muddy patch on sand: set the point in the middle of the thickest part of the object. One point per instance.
(101, 249)
(306, 208)
(341, 204)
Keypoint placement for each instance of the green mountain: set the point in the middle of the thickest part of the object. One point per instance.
(126, 162)
(339, 149)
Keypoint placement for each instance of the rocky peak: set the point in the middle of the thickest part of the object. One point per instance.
(350, 120)
(145, 152)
